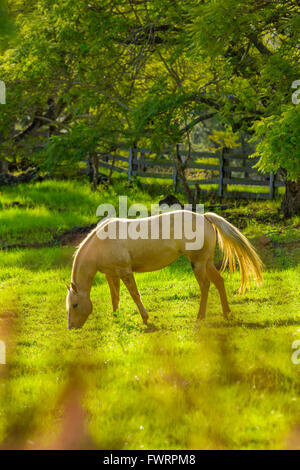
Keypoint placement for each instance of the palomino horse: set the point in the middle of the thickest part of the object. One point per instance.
(119, 258)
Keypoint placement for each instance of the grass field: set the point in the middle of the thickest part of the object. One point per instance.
(174, 384)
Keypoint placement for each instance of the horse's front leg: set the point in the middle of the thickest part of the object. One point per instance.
(130, 283)
(114, 286)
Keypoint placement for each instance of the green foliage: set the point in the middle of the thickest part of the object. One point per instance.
(223, 139)
(69, 148)
(279, 144)
(162, 115)
(254, 50)
(90, 76)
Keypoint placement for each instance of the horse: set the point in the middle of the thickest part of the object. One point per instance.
(118, 258)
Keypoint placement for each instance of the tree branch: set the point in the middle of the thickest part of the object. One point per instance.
(196, 121)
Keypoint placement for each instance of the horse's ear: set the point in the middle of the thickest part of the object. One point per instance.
(74, 288)
(68, 287)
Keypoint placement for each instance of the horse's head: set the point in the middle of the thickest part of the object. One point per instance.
(79, 307)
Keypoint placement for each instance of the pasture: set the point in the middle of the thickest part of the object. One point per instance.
(174, 384)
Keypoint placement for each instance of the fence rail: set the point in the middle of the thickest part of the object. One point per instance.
(229, 168)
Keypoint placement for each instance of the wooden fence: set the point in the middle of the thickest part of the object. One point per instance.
(222, 169)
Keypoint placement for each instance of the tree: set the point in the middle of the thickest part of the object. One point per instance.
(254, 45)
(89, 75)
(279, 147)
(115, 70)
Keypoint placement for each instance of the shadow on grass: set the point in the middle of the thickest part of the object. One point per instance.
(152, 328)
(251, 325)
(244, 300)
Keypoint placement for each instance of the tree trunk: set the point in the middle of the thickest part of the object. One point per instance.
(291, 201)
(182, 177)
(111, 169)
(95, 162)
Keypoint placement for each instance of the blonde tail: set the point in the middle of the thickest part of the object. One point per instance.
(236, 246)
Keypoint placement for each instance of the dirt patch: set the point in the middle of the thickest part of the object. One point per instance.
(75, 236)
(17, 204)
(289, 244)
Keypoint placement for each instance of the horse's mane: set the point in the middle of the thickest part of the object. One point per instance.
(79, 248)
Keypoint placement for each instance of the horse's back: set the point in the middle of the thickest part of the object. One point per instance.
(148, 244)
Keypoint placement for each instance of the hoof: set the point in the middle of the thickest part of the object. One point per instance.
(201, 317)
(145, 318)
(228, 316)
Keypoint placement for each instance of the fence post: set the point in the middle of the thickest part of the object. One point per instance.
(271, 185)
(89, 169)
(130, 164)
(244, 153)
(139, 157)
(221, 173)
(175, 179)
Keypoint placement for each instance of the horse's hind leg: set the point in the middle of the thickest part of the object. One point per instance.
(114, 286)
(214, 276)
(130, 283)
(200, 275)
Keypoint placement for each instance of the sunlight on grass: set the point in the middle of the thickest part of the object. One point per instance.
(176, 384)
(37, 213)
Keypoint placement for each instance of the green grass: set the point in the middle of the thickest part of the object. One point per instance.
(49, 208)
(176, 384)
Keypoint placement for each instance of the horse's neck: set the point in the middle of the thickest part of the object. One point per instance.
(84, 268)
